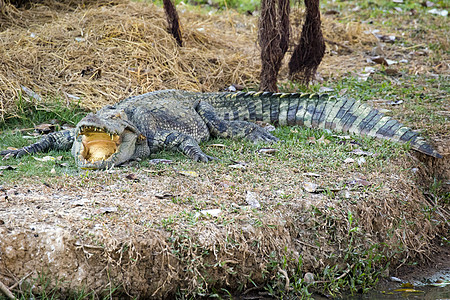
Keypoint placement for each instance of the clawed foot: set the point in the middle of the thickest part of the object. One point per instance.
(13, 153)
(259, 134)
(203, 157)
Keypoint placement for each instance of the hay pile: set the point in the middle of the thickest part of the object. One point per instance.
(105, 53)
(100, 52)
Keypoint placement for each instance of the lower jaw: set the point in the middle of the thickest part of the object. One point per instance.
(98, 165)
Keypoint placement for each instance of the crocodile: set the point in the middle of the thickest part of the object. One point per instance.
(140, 125)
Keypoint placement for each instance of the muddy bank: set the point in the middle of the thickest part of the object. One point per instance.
(158, 234)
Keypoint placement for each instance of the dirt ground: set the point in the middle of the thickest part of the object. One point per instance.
(155, 231)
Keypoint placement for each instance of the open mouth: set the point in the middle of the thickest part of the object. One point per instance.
(98, 144)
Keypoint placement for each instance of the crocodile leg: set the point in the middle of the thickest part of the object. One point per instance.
(232, 129)
(60, 140)
(171, 139)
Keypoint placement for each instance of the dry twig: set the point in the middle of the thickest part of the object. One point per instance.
(6, 291)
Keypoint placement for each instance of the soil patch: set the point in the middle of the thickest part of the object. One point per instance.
(439, 262)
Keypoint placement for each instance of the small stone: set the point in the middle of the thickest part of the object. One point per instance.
(308, 278)
(251, 200)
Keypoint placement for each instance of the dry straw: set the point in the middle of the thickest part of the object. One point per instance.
(100, 52)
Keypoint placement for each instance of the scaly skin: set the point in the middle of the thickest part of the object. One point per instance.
(179, 120)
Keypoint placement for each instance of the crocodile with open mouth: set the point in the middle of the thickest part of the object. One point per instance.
(175, 119)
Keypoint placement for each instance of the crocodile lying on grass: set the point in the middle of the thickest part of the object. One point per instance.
(140, 125)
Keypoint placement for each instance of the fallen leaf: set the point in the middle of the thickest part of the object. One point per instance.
(384, 110)
(395, 279)
(439, 12)
(217, 145)
(349, 160)
(346, 194)
(398, 102)
(227, 184)
(238, 87)
(45, 158)
(164, 195)
(238, 165)
(312, 140)
(160, 161)
(267, 151)
(31, 93)
(105, 210)
(7, 156)
(310, 187)
(251, 199)
(44, 128)
(385, 38)
(332, 12)
(361, 161)
(427, 4)
(378, 51)
(211, 212)
(188, 173)
(407, 285)
(11, 148)
(133, 177)
(80, 202)
(379, 60)
(8, 167)
(342, 137)
(368, 71)
(391, 72)
(231, 88)
(359, 182)
(72, 96)
(311, 174)
(408, 291)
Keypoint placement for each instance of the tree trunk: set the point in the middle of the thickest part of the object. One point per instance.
(273, 38)
(173, 20)
(309, 52)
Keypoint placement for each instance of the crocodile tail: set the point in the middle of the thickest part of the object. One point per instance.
(60, 140)
(317, 111)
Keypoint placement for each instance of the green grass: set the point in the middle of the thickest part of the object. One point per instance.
(30, 114)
